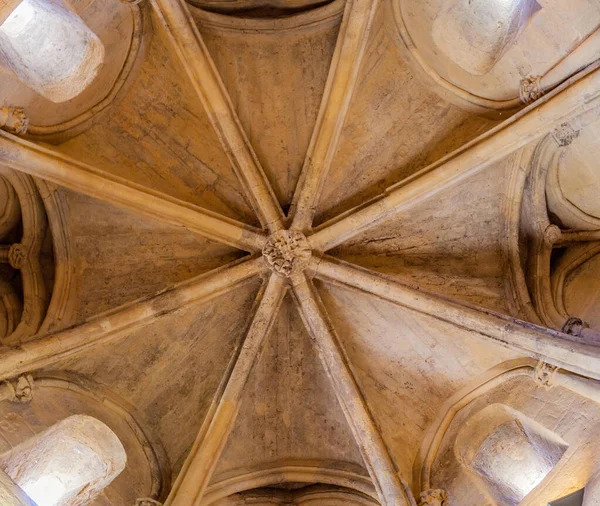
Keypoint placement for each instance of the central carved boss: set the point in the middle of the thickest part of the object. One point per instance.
(287, 252)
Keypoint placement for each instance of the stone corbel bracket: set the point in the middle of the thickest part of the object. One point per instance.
(14, 120)
(18, 390)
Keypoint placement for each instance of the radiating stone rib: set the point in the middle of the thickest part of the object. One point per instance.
(532, 340)
(390, 490)
(347, 58)
(202, 460)
(124, 320)
(207, 83)
(564, 103)
(44, 163)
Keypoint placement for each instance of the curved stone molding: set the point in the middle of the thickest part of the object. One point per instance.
(330, 473)
(534, 229)
(475, 34)
(41, 206)
(151, 445)
(544, 375)
(517, 292)
(572, 214)
(575, 257)
(64, 64)
(543, 234)
(479, 65)
(420, 65)
(10, 211)
(11, 308)
(437, 430)
(24, 255)
(64, 130)
(61, 310)
(233, 6)
(311, 494)
(318, 17)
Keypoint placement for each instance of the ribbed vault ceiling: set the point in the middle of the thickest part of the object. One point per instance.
(336, 274)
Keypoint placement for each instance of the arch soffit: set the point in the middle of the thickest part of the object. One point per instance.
(525, 368)
(338, 474)
(160, 470)
(82, 119)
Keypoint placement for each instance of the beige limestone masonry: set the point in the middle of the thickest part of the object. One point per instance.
(294, 252)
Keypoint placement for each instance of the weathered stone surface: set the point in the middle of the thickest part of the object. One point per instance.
(174, 239)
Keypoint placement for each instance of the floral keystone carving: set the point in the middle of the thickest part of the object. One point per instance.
(287, 252)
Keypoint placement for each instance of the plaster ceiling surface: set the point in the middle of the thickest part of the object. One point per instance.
(343, 341)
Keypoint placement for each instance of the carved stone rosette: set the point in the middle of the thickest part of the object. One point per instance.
(287, 252)
(433, 497)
